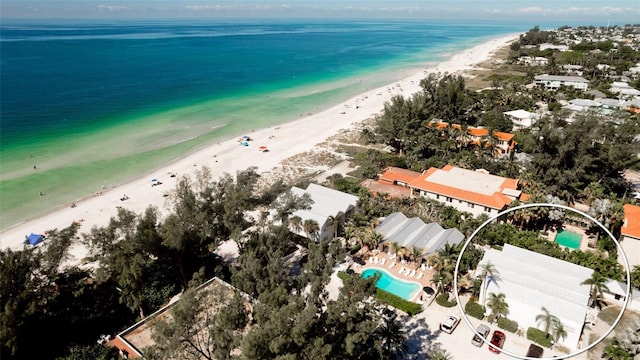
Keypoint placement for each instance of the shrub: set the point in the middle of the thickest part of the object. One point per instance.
(397, 302)
(343, 276)
(509, 325)
(539, 336)
(474, 309)
(443, 300)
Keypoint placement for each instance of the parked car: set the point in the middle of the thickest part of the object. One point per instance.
(497, 339)
(450, 324)
(535, 351)
(484, 331)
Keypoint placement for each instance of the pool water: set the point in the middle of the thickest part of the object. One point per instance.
(569, 239)
(387, 282)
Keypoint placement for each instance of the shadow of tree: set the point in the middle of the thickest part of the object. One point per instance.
(420, 339)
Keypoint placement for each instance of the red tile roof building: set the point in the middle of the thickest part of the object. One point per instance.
(630, 238)
(476, 192)
(504, 142)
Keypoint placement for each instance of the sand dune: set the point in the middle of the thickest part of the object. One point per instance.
(229, 156)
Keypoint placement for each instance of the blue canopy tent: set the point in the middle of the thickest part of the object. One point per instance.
(35, 239)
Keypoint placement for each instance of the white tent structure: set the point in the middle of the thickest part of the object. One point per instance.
(413, 232)
(531, 281)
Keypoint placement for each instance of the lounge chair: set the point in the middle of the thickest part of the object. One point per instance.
(413, 272)
(420, 275)
(375, 260)
(392, 265)
(370, 259)
(383, 261)
(401, 270)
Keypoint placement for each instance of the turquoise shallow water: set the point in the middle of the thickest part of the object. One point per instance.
(389, 283)
(95, 103)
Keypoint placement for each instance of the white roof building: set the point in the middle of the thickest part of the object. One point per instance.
(326, 202)
(521, 118)
(414, 233)
(531, 281)
(556, 81)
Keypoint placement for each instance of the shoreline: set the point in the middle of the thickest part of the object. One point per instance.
(227, 156)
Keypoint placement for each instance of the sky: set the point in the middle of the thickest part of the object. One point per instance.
(569, 12)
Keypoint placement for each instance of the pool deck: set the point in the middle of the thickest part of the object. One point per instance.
(388, 263)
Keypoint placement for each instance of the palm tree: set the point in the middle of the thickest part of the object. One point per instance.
(546, 318)
(598, 286)
(416, 254)
(488, 273)
(558, 330)
(396, 248)
(498, 305)
(333, 222)
(311, 228)
(393, 337)
(439, 354)
(295, 222)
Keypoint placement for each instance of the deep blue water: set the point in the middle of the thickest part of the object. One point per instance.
(79, 76)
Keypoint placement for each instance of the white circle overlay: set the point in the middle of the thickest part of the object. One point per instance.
(524, 206)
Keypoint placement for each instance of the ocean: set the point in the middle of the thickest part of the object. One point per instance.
(91, 104)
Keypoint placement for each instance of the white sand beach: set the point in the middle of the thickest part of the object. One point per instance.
(229, 156)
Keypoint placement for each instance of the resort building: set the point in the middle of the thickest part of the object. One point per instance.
(412, 233)
(554, 82)
(477, 192)
(521, 119)
(327, 203)
(531, 281)
(630, 235)
(133, 341)
(533, 61)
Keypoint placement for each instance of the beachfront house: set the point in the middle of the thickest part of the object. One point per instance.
(521, 119)
(477, 192)
(412, 233)
(531, 281)
(554, 82)
(503, 143)
(133, 341)
(327, 203)
(630, 235)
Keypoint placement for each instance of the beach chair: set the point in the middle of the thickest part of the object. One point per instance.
(383, 261)
(413, 272)
(370, 259)
(401, 271)
(375, 260)
(392, 265)
(422, 267)
(420, 275)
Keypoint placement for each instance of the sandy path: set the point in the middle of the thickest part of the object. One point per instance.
(229, 156)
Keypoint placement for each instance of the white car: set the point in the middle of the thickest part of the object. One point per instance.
(450, 324)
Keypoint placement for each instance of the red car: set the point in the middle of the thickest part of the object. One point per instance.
(497, 339)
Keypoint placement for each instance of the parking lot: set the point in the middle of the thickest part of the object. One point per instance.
(423, 331)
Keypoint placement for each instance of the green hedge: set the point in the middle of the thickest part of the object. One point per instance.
(474, 309)
(539, 336)
(397, 302)
(443, 300)
(509, 325)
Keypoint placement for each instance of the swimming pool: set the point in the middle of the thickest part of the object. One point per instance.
(387, 282)
(569, 239)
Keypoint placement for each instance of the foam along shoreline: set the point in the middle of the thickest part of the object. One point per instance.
(283, 141)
